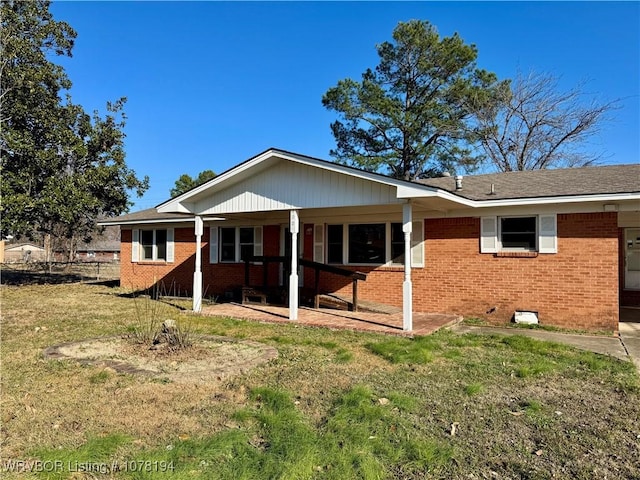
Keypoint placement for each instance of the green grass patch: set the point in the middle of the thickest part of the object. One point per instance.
(97, 453)
(100, 377)
(473, 389)
(317, 343)
(474, 321)
(529, 367)
(281, 340)
(419, 350)
(364, 436)
(531, 406)
(520, 343)
(343, 356)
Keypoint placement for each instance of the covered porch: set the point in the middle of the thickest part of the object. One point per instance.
(389, 324)
(316, 211)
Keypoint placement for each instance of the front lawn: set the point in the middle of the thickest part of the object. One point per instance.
(333, 405)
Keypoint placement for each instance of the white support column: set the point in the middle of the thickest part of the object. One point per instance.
(294, 228)
(407, 295)
(197, 274)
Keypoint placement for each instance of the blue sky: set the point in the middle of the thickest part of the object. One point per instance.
(211, 84)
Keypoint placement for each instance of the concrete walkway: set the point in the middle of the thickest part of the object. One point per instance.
(630, 338)
(626, 346)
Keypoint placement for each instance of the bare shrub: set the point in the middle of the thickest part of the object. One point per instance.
(176, 335)
(146, 324)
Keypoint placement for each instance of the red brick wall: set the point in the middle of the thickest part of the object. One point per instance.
(167, 277)
(576, 287)
(383, 284)
(226, 277)
(177, 277)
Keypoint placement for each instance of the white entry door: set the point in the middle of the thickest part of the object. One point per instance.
(632, 259)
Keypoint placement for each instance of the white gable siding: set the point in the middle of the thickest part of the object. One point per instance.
(288, 185)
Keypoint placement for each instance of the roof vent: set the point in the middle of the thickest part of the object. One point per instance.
(445, 174)
(493, 189)
(458, 182)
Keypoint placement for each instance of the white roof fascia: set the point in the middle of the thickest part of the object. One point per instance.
(143, 222)
(159, 221)
(424, 191)
(606, 197)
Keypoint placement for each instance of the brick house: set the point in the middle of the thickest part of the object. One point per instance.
(562, 243)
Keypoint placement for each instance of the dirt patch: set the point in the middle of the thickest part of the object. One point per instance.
(210, 359)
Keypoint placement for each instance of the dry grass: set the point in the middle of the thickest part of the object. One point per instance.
(57, 403)
(503, 394)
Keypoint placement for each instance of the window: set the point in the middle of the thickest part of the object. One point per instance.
(246, 243)
(152, 245)
(228, 244)
(397, 243)
(234, 244)
(372, 244)
(334, 244)
(518, 233)
(147, 244)
(367, 243)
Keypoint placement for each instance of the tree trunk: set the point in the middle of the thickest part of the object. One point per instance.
(48, 251)
(71, 251)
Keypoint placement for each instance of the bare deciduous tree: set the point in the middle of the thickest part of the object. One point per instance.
(534, 125)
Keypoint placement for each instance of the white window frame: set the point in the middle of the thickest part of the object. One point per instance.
(325, 246)
(536, 234)
(137, 247)
(417, 242)
(236, 236)
(240, 244)
(387, 243)
(215, 253)
(546, 234)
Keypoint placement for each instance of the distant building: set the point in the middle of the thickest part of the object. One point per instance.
(23, 253)
(104, 247)
(99, 251)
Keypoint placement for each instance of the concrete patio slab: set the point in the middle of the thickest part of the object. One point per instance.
(423, 323)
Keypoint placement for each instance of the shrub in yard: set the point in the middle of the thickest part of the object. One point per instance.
(152, 325)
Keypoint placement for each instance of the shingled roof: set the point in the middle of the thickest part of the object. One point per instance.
(544, 183)
(148, 215)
